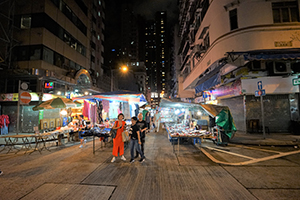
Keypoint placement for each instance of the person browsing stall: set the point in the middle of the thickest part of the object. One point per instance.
(135, 140)
(143, 128)
(82, 126)
(118, 144)
(148, 120)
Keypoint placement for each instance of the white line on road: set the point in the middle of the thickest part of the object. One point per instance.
(235, 154)
(251, 161)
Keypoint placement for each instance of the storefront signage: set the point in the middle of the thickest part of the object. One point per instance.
(49, 85)
(296, 81)
(34, 97)
(229, 90)
(283, 44)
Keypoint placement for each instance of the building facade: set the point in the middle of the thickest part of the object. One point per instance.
(231, 56)
(51, 42)
(157, 56)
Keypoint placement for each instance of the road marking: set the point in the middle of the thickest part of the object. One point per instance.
(251, 161)
(235, 154)
(266, 150)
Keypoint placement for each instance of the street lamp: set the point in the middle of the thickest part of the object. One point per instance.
(123, 68)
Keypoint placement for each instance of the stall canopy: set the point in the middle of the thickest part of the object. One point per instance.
(56, 103)
(223, 117)
(122, 96)
(176, 104)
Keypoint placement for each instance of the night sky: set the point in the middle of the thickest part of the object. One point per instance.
(147, 8)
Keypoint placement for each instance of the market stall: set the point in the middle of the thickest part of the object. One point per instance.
(184, 121)
(113, 103)
(54, 116)
(223, 126)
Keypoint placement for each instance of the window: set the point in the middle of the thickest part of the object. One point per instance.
(233, 19)
(35, 53)
(25, 22)
(285, 12)
(48, 55)
(206, 41)
(58, 60)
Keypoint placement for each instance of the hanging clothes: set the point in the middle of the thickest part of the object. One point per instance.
(86, 109)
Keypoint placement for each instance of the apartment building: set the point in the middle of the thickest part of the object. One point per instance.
(157, 56)
(233, 51)
(51, 42)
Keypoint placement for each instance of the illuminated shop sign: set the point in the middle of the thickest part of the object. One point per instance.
(49, 85)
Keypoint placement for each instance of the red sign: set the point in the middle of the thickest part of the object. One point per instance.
(25, 98)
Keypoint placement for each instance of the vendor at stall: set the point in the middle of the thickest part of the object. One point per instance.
(73, 124)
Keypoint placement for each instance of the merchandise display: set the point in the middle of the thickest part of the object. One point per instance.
(179, 130)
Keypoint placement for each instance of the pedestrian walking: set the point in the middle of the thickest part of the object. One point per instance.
(135, 140)
(118, 144)
(143, 128)
(157, 120)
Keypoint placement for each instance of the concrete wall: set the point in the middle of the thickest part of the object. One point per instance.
(254, 32)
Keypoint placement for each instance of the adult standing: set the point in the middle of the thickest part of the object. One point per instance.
(148, 120)
(157, 120)
(143, 127)
(118, 144)
(135, 140)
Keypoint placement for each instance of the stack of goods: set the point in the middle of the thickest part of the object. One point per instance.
(178, 130)
(96, 131)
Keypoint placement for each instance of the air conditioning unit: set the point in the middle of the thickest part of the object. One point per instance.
(281, 67)
(258, 65)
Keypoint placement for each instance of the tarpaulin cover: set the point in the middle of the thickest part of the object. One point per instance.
(123, 96)
(223, 117)
(55, 103)
(211, 82)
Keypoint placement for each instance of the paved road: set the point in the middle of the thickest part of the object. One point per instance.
(73, 173)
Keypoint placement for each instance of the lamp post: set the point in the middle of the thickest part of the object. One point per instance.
(124, 69)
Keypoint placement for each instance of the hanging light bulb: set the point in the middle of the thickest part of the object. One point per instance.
(63, 112)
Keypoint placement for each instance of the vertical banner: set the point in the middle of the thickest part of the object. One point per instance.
(41, 115)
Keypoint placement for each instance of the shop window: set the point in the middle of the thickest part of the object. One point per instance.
(48, 55)
(285, 12)
(25, 22)
(233, 19)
